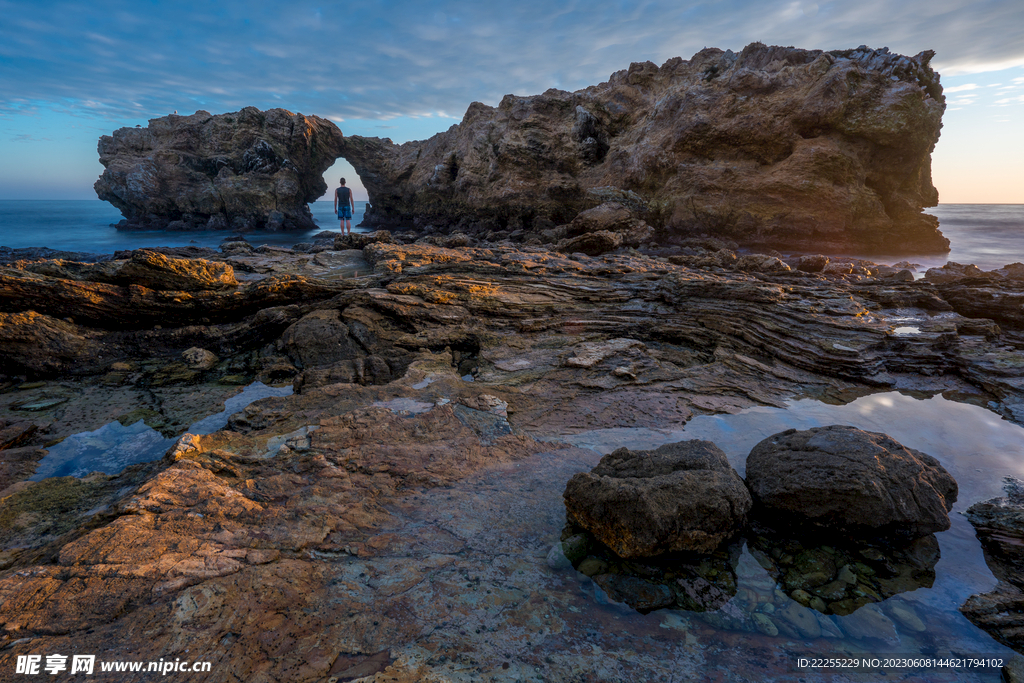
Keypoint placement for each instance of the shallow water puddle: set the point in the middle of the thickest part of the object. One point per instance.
(404, 406)
(250, 394)
(346, 264)
(113, 446)
(487, 597)
(976, 446)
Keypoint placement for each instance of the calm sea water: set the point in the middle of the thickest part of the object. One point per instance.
(987, 235)
(87, 225)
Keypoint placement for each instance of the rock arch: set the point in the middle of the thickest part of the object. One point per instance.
(793, 148)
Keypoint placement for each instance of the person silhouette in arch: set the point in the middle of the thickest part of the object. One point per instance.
(344, 206)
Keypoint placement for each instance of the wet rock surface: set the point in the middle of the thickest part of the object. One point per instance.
(697, 582)
(850, 481)
(835, 576)
(682, 496)
(377, 524)
(999, 523)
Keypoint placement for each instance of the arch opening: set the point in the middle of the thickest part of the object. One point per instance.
(323, 208)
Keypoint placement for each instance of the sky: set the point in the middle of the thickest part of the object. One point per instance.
(73, 71)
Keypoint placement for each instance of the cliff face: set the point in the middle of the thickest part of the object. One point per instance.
(242, 170)
(774, 145)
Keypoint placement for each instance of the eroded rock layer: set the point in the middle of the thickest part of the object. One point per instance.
(999, 523)
(392, 517)
(243, 170)
(776, 145)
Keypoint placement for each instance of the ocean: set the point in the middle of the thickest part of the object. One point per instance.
(987, 235)
(87, 225)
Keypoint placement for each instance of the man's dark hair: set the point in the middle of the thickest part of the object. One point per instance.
(342, 181)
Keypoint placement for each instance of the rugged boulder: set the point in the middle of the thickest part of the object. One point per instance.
(681, 496)
(604, 228)
(774, 145)
(243, 170)
(999, 523)
(359, 240)
(812, 263)
(850, 480)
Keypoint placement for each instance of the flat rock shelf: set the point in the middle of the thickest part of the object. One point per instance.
(394, 510)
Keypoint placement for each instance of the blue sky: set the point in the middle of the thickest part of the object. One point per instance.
(72, 71)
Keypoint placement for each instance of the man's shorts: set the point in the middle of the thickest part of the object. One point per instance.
(345, 212)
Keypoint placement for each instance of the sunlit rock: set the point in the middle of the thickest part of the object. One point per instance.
(244, 170)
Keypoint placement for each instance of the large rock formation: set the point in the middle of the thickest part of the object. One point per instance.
(243, 170)
(774, 145)
(681, 496)
(849, 480)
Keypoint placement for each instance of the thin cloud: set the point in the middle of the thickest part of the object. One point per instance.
(417, 56)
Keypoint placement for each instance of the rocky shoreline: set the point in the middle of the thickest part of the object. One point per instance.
(376, 521)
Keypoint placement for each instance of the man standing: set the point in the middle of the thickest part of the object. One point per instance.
(344, 206)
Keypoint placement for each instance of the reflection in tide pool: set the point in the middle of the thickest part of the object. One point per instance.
(976, 446)
(114, 446)
(251, 393)
(108, 449)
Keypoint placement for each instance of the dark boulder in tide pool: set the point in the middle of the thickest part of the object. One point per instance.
(680, 497)
(849, 480)
(999, 523)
